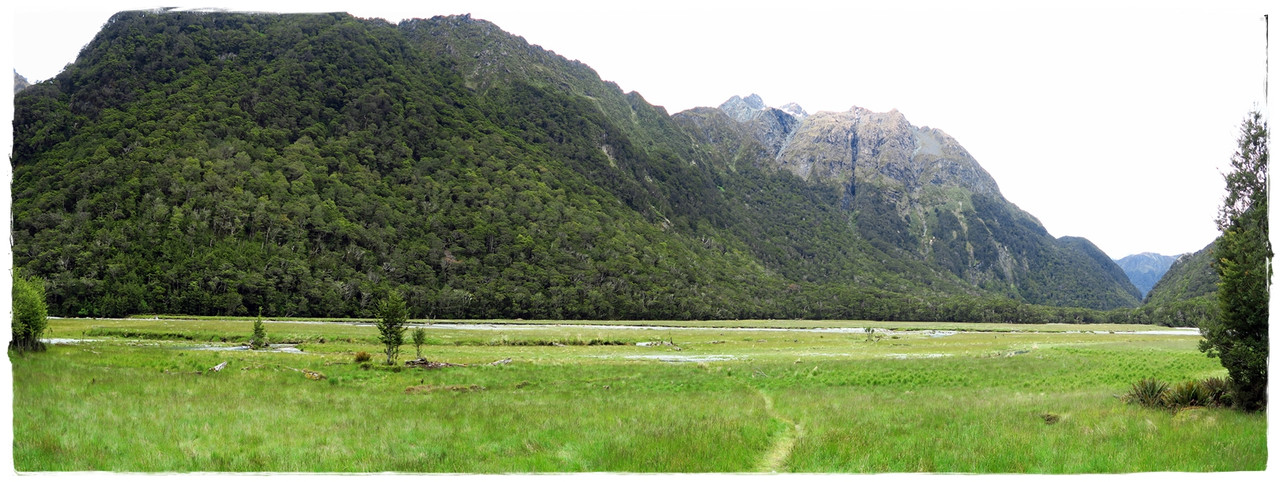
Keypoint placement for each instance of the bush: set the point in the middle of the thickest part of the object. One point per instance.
(1186, 394)
(1210, 392)
(363, 356)
(1148, 392)
(419, 337)
(1217, 391)
(30, 313)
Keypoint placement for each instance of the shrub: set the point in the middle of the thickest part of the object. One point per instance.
(419, 337)
(1186, 394)
(1217, 391)
(1148, 392)
(363, 356)
(30, 313)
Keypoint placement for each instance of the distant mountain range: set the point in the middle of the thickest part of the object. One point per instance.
(1145, 269)
(218, 163)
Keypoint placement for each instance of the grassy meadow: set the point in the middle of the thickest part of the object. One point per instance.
(138, 396)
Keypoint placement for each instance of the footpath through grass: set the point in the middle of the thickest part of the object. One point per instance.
(138, 396)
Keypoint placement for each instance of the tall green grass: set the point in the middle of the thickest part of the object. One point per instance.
(969, 402)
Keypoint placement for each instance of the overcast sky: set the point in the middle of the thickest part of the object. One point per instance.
(1111, 123)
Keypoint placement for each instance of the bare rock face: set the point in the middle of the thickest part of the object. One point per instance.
(772, 127)
(916, 192)
(884, 148)
(860, 146)
(795, 110)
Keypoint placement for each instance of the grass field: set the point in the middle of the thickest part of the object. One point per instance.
(137, 396)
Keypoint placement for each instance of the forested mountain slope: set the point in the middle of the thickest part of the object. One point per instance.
(1187, 293)
(215, 163)
(915, 193)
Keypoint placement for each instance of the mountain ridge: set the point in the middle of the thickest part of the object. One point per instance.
(1145, 269)
(915, 180)
(307, 164)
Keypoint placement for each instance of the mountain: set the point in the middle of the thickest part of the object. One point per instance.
(1186, 294)
(916, 193)
(1190, 276)
(1145, 269)
(218, 163)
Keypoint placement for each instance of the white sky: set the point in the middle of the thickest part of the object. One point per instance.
(1112, 123)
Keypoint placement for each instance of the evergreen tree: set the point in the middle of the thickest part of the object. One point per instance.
(258, 340)
(391, 324)
(1243, 263)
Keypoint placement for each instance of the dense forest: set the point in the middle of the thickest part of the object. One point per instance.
(307, 165)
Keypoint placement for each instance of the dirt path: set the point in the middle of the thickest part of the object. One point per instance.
(777, 455)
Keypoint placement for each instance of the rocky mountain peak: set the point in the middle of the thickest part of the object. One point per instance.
(862, 144)
(794, 109)
(771, 126)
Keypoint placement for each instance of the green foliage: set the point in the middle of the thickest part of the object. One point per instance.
(1242, 259)
(419, 338)
(258, 340)
(1191, 276)
(1148, 392)
(1186, 394)
(30, 314)
(1209, 392)
(391, 324)
(1217, 391)
(307, 164)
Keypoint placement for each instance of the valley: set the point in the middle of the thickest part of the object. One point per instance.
(133, 395)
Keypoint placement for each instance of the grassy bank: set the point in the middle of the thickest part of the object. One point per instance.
(137, 395)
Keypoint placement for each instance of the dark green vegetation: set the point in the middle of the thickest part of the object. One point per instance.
(1209, 392)
(30, 313)
(1043, 400)
(1242, 259)
(308, 165)
(1187, 294)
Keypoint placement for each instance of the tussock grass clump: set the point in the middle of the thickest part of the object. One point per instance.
(1210, 392)
(1148, 392)
(363, 356)
(1217, 391)
(1186, 394)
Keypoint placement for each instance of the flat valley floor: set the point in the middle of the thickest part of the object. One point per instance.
(502, 396)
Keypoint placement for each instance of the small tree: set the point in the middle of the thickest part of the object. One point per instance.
(391, 324)
(1242, 259)
(258, 340)
(419, 338)
(30, 314)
